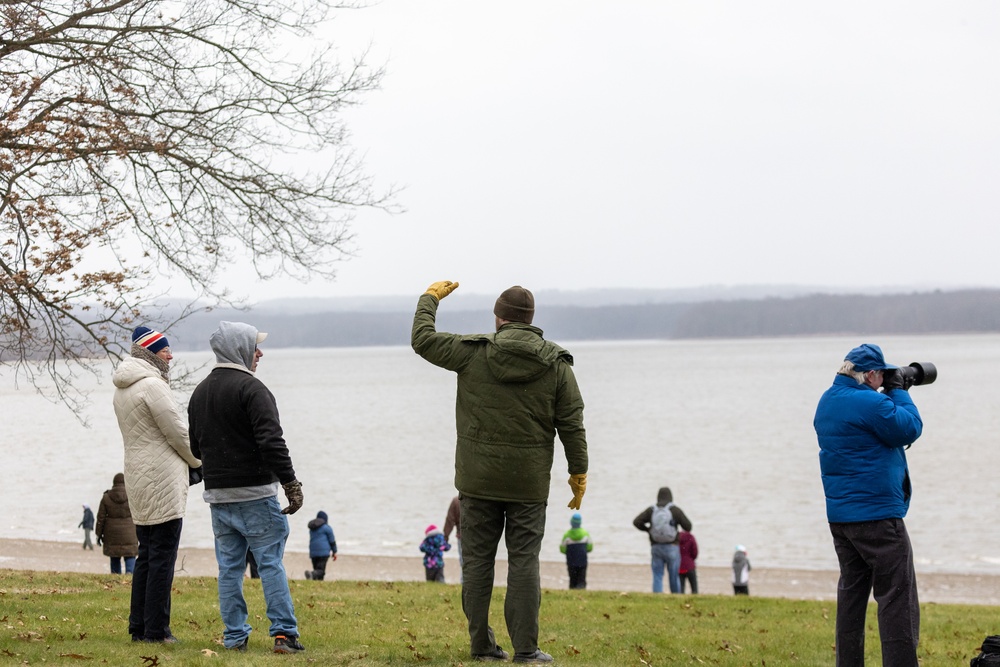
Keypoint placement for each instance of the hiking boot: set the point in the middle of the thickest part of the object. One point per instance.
(498, 655)
(537, 658)
(241, 647)
(287, 644)
(309, 574)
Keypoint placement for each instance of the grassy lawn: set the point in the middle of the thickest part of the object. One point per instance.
(75, 619)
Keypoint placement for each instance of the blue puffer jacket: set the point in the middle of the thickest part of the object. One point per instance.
(862, 433)
(321, 540)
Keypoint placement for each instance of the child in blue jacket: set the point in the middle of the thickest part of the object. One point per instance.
(322, 545)
(434, 546)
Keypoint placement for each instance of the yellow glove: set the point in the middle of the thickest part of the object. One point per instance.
(579, 485)
(441, 289)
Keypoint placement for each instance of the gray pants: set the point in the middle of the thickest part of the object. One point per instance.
(523, 525)
(876, 555)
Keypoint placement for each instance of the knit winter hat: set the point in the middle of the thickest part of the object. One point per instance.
(153, 341)
(515, 304)
(430, 529)
(740, 547)
(575, 520)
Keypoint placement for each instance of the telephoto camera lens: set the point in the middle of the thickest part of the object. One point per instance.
(918, 372)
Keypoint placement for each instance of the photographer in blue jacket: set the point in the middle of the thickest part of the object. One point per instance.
(863, 434)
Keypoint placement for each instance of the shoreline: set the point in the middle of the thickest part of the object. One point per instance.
(940, 588)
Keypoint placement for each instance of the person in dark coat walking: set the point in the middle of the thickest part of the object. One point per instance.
(88, 525)
(115, 530)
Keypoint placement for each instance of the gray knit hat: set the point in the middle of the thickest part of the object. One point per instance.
(515, 304)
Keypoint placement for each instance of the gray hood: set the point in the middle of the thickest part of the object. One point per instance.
(234, 343)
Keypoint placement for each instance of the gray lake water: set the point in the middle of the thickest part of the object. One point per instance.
(726, 424)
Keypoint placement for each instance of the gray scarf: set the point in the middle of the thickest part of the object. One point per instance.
(139, 352)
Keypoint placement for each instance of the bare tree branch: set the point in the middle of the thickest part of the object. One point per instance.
(166, 126)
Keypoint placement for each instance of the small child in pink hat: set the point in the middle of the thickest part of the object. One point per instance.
(433, 547)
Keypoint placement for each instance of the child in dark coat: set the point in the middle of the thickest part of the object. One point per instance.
(434, 546)
(322, 545)
(576, 544)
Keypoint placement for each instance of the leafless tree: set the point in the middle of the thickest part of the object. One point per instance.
(140, 136)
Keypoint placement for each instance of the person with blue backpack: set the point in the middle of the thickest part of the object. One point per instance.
(661, 521)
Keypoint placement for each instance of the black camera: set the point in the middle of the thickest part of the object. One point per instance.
(918, 373)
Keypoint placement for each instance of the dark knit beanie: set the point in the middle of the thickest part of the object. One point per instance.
(515, 304)
(152, 341)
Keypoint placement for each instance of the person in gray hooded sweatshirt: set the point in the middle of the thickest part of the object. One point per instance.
(235, 430)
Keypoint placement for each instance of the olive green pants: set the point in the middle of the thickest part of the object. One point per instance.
(523, 525)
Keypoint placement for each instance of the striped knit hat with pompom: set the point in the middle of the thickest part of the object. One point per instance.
(153, 341)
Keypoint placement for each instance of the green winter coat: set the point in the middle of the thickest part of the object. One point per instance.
(516, 390)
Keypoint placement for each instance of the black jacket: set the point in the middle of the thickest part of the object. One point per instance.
(235, 431)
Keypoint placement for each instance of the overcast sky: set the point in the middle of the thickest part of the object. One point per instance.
(572, 144)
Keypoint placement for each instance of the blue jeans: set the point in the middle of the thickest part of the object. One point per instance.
(116, 564)
(257, 525)
(671, 555)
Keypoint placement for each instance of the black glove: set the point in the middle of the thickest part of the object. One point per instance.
(893, 379)
(98, 541)
(195, 475)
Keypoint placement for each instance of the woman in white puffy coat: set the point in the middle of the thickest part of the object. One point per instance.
(157, 458)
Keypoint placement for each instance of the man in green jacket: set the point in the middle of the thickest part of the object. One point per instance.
(516, 391)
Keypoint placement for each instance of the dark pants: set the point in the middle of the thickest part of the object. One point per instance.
(692, 577)
(523, 525)
(876, 556)
(252, 562)
(435, 574)
(741, 590)
(577, 576)
(319, 567)
(152, 580)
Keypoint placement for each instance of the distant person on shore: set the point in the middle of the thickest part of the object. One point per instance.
(576, 544)
(115, 530)
(741, 571)
(661, 521)
(322, 545)
(87, 523)
(863, 434)
(252, 564)
(235, 429)
(433, 547)
(688, 571)
(158, 459)
(516, 391)
(453, 521)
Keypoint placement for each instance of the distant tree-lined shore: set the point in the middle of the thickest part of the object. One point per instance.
(960, 311)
